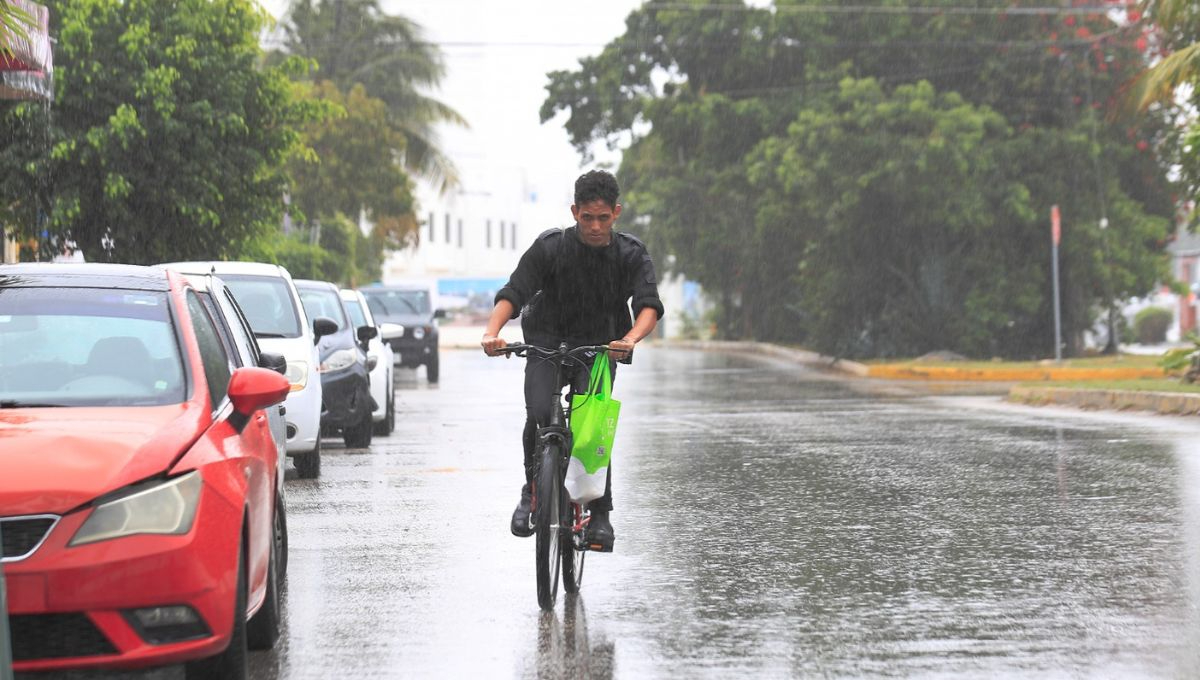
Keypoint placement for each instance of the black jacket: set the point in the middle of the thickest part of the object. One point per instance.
(566, 290)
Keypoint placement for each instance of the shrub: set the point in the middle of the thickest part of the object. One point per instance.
(1151, 324)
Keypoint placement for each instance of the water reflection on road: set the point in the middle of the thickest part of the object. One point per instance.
(770, 521)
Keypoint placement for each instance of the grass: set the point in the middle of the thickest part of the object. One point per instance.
(1144, 385)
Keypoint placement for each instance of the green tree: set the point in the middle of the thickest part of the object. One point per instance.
(1177, 42)
(166, 140)
(353, 42)
(702, 92)
(355, 166)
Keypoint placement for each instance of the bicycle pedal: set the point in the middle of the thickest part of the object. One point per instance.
(600, 547)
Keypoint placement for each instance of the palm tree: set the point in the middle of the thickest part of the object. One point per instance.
(1179, 21)
(354, 42)
(15, 23)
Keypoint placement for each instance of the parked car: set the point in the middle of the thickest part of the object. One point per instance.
(267, 295)
(245, 351)
(383, 380)
(347, 404)
(412, 308)
(139, 494)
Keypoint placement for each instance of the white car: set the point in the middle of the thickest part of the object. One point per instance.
(268, 298)
(379, 352)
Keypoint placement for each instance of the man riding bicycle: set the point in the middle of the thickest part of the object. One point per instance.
(576, 285)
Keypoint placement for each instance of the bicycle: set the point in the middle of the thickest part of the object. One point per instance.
(556, 520)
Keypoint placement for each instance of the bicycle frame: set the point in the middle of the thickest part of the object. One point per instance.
(562, 519)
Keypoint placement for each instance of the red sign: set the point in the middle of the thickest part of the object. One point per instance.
(1055, 225)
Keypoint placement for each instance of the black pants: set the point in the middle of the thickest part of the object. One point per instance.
(539, 392)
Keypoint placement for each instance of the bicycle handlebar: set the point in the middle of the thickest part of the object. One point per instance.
(521, 349)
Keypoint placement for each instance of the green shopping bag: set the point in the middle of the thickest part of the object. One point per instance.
(593, 428)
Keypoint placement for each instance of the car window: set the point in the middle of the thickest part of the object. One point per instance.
(267, 302)
(385, 302)
(242, 336)
(355, 310)
(235, 351)
(324, 302)
(212, 351)
(88, 347)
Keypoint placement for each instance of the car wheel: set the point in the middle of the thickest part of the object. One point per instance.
(385, 426)
(281, 537)
(308, 465)
(263, 628)
(230, 664)
(359, 436)
(431, 368)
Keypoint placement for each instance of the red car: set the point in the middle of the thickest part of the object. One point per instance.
(140, 490)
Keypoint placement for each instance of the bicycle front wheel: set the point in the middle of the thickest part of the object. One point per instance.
(547, 516)
(572, 559)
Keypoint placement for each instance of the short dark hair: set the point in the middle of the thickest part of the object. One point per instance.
(597, 185)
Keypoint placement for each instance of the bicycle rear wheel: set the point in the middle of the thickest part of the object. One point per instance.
(572, 560)
(547, 517)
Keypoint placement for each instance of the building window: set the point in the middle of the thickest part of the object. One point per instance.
(460, 233)
(447, 227)
(502, 246)
(489, 234)
(430, 227)
(514, 235)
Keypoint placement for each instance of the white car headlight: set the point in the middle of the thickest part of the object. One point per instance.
(168, 508)
(341, 359)
(418, 333)
(297, 375)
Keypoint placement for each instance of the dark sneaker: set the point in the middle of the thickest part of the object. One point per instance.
(522, 524)
(600, 532)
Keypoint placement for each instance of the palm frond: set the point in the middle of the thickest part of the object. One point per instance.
(1158, 83)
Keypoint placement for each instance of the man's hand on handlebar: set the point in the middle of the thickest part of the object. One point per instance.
(621, 349)
(492, 344)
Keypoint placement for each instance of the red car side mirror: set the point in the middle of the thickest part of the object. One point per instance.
(251, 389)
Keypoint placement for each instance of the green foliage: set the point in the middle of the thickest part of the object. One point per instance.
(1156, 89)
(355, 167)
(353, 42)
(880, 183)
(1150, 325)
(344, 255)
(165, 140)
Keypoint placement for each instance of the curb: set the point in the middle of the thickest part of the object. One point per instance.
(917, 372)
(1166, 403)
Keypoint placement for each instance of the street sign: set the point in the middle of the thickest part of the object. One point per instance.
(1055, 237)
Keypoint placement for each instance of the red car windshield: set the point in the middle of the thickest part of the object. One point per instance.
(87, 347)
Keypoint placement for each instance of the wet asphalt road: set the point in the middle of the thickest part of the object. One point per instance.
(771, 521)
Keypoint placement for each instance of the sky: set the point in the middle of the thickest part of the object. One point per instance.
(497, 56)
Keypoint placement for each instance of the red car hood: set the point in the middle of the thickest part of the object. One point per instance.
(56, 459)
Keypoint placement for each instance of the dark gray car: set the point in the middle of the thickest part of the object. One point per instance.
(412, 308)
(346, 403)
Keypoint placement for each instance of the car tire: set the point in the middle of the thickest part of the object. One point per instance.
(431, 368)
(230, 664)
(308, 465)
(385, 427)
(281, 508)
(359, 436)
(262, 631)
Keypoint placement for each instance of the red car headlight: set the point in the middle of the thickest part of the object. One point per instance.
(166, 508)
